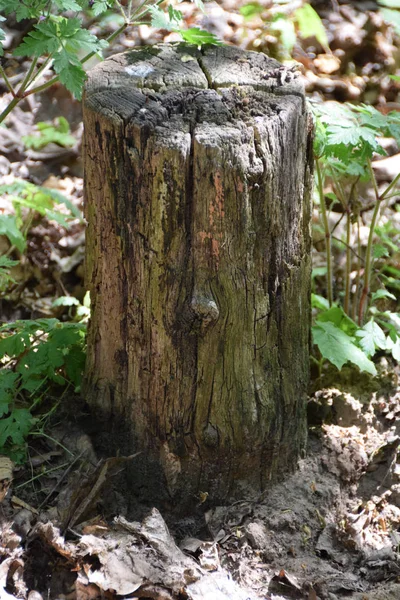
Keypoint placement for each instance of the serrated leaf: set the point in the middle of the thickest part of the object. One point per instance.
(199, 37)
(7, 381)
(64, 5)
(9, 228)
(339, 348)
(160, 19)
(15, 427)
(371, 336)
(379, 251)
(43, 39)
(71, 72)
(99, 7)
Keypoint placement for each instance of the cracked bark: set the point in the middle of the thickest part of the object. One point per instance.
(197, 194)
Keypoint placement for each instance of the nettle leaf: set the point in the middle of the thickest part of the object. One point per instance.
(23, 10)
(379, 251)
(64, 5)
(339, 348)
(371, 337)
(71, 72)
(199, 37)
(44, 39)
(16, 427)
(161, 20)
(9, 228)
(8, 383)
(100, 6)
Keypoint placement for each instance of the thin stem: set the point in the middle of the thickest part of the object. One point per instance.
(368, 255)
(327, 232)
(346, 305)
(9, 108)
(40, 70)
(390, 186)
(27, 79)
(7, 81)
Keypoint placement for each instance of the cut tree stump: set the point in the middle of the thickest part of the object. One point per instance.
(197, 192)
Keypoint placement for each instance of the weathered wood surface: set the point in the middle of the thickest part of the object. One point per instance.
(197, 187)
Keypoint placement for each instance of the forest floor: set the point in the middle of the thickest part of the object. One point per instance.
(329, 531)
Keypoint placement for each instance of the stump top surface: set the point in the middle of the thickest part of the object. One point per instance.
(164, 66)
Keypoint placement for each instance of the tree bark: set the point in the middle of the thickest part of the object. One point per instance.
(197, 191)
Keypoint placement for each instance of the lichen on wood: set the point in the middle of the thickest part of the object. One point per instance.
(197, 193)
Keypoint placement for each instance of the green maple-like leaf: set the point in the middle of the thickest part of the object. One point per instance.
(371, 337)
(339, 348)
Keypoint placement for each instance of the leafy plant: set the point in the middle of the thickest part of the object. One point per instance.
(286, 23)
(347, 137)
(340, 340)
(29, 199)
(59, 133)
(58, 39)
(34, 355)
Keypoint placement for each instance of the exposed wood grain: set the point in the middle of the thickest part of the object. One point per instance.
(198, 262)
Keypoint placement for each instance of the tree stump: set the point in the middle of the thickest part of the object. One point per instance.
(197, 191)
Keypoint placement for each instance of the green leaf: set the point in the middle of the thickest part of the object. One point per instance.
(42, 40)
(15, 427)
(23, 10)
(382, 294)
(248, 11)
(57, 133)
(2, 37)
(310, 25)
(371, 336)
(339, 348)
(379, 251)
(162, 20)
(390, 3)
(64, 5)
(9, 228)
(392, 17)
(71, 72)
(199, 37)
(338, 317)
(66, 301)
(100, 6)
(319, 302)
(396, 350)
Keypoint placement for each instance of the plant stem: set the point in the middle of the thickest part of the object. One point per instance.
(346, 305)
(22, 93)
(7, 81)
(327, 232)
(368, 255)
